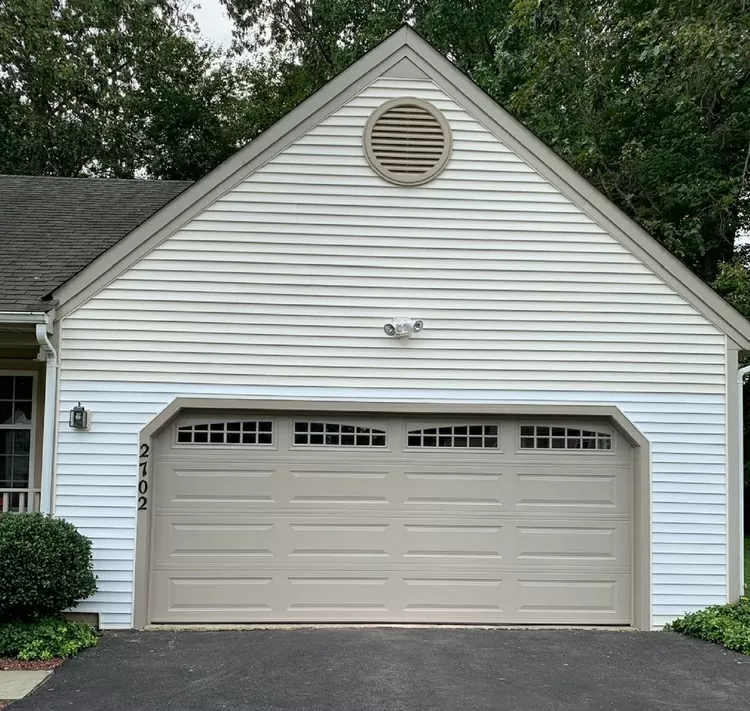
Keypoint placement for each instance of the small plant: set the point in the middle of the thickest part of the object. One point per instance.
(728, 625)
(45, 638)
(45, 566)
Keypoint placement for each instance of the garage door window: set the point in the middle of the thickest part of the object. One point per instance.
(455, 436)
(252, 432)
(552, 437)
(337, 434)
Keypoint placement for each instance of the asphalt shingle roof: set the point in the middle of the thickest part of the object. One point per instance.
(51, 228)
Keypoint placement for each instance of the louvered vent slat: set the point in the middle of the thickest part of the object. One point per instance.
(407, 141)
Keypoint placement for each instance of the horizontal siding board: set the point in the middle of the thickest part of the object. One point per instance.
(650, 408)
(706, 579)
(429, 359)
(687, 572)
(215, 314)
(281, 287)
(208, 226)
(642, 384)
(262, 337)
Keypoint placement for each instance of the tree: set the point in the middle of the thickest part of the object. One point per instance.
(114, 87)
(733, 280)
(649, 100)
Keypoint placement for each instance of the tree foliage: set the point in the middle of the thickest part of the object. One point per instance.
(114, 87)
(733, 280)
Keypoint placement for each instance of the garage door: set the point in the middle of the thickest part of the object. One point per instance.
(310, 518)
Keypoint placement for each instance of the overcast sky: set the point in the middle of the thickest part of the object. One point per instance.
(214, 22)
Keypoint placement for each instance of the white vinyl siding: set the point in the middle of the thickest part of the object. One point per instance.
(281, 289)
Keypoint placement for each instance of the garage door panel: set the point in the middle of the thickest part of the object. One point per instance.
(199, 484)
(357, 596)
(457, 541)
(574, 544)
(190, 597)
(560, 491)
(337, 486)
(396, 487)
(209, 540)
(330, 595)
(213, 540)
(462, 485)
(552, 598)
(190, 484)
(357, 534)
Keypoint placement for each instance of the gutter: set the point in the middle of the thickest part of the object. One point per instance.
(21, 317)
(50, 411)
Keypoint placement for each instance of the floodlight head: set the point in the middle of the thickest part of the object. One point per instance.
(403, 328)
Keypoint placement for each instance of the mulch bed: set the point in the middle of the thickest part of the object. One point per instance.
(8, 664)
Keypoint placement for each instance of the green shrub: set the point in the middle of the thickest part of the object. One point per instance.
(45, 566)
(728, 625)
(44, 638)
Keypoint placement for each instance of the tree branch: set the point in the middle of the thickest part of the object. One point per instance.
(311, 33)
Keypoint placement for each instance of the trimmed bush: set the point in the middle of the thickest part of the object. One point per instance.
(45, 566)
(728, 625)
(44, 638)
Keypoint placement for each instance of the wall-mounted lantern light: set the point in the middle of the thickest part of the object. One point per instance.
(79, 418)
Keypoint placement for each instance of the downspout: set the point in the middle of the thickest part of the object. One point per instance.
(741, 373)
(50, 410)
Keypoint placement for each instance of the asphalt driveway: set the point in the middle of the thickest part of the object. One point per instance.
(397, 670)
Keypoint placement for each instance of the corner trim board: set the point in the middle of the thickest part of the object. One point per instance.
(735, 553)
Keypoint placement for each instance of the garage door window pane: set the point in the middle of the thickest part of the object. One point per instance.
(454, 437)
(538, 437)
(336, 434)
(252, 432)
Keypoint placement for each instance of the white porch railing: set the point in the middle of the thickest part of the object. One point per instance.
(20, 500)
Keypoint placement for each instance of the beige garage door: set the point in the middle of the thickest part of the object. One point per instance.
(297, 518)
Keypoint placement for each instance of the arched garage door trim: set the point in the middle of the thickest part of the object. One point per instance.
(641, 470)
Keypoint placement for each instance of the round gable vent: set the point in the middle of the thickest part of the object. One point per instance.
(407, 141)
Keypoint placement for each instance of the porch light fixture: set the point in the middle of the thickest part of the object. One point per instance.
(79, 418)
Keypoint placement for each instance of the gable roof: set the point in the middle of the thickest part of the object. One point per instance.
(51, 228)
(406, 54)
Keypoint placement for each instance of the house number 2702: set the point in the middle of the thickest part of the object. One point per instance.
(143, 478)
